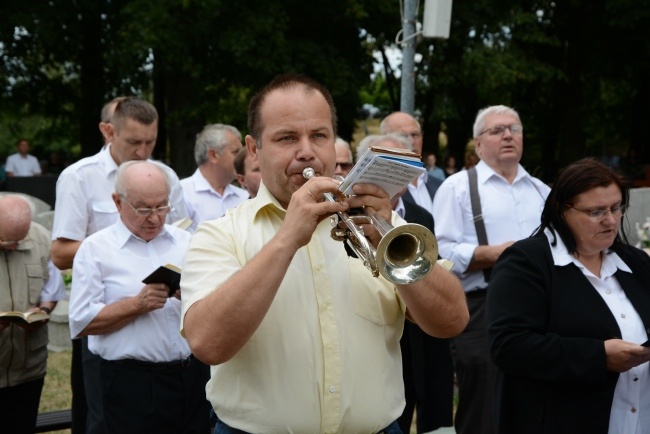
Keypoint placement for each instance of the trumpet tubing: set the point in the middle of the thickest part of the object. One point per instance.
(405, 254)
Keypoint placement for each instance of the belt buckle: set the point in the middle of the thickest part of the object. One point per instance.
(186, 361)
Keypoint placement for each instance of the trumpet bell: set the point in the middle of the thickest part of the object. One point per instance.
(406, 253)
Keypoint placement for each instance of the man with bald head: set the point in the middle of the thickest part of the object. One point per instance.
(150, 381)
(83, 207)
(28, 282)
(422, 190)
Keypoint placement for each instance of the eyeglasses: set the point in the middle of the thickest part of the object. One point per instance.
(598, 215)
(345, 166)
(500, 129)
(146, 212)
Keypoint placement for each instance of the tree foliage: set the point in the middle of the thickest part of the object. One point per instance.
(575, 70)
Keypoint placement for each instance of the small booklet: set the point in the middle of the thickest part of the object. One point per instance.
(392, 169)
(169, 274)
(26, 317)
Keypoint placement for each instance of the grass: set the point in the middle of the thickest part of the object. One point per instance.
(57, 394)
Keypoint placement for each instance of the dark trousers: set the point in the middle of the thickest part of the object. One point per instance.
(93, 389)
(79, 409)
(428, 373)
(222, 428)
(150, 399)
(19, 407)
(475, 372)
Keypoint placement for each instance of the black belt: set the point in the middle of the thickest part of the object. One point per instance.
(155, 366)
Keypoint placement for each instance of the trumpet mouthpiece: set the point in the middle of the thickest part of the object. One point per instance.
(308, 173)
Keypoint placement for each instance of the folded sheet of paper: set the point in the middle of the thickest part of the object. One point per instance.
(392, 169)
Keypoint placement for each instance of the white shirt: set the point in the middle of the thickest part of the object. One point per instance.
(108, 267)
(204, 203)
(511, 212)
(420, 192)
(83, 197)
(54, 289)
(630, 413)
(23, 166)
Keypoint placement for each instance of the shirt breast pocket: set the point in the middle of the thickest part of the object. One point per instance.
(375, 299)
(105, 214)
(36, 276)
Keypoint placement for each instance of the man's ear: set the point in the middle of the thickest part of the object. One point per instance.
(109, 129)
(251, 145)
(117, 200)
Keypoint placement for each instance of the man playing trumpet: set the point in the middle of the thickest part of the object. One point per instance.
(300, 336)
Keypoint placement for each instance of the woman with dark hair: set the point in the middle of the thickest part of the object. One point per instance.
(568, 311)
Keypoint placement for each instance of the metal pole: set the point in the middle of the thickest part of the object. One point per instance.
(407, 100)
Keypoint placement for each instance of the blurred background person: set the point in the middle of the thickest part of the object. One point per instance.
(567, 310)
(430, 160)
(344, 162)
(21, 163)
(449, 165)
(248, 171)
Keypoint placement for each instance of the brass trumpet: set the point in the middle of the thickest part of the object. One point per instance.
(405, 254)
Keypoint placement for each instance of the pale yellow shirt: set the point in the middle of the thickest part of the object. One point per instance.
(326, 358)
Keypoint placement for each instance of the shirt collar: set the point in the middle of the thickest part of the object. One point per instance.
(202, 184)
(106, 159)
(265, 199)
(123, 234)
(485, 172)
(561, 256)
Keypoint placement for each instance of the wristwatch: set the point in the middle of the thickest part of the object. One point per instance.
(47, 310)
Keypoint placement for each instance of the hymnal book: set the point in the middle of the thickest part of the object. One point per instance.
(27, 317)
(392, 169)
(168, 274)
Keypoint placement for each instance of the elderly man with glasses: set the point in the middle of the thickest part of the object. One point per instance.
(479, 213)
(150, 381)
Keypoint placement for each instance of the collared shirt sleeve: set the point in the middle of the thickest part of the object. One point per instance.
(71, 216)
(87, 292)
(450, 227)
(54, 289)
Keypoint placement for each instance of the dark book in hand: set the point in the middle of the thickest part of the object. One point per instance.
(168, 274)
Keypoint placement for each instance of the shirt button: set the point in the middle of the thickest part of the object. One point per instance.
(633, 410)
(325, 306)
(330, 346)
(332, 389)
(318, 267)
(623, 315)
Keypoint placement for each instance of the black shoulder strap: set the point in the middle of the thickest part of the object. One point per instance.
(478, 215)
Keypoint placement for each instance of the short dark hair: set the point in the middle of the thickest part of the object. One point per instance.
(575, 179)
(240, 161)
(106, 116)
(135, 109)
(285, 81)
